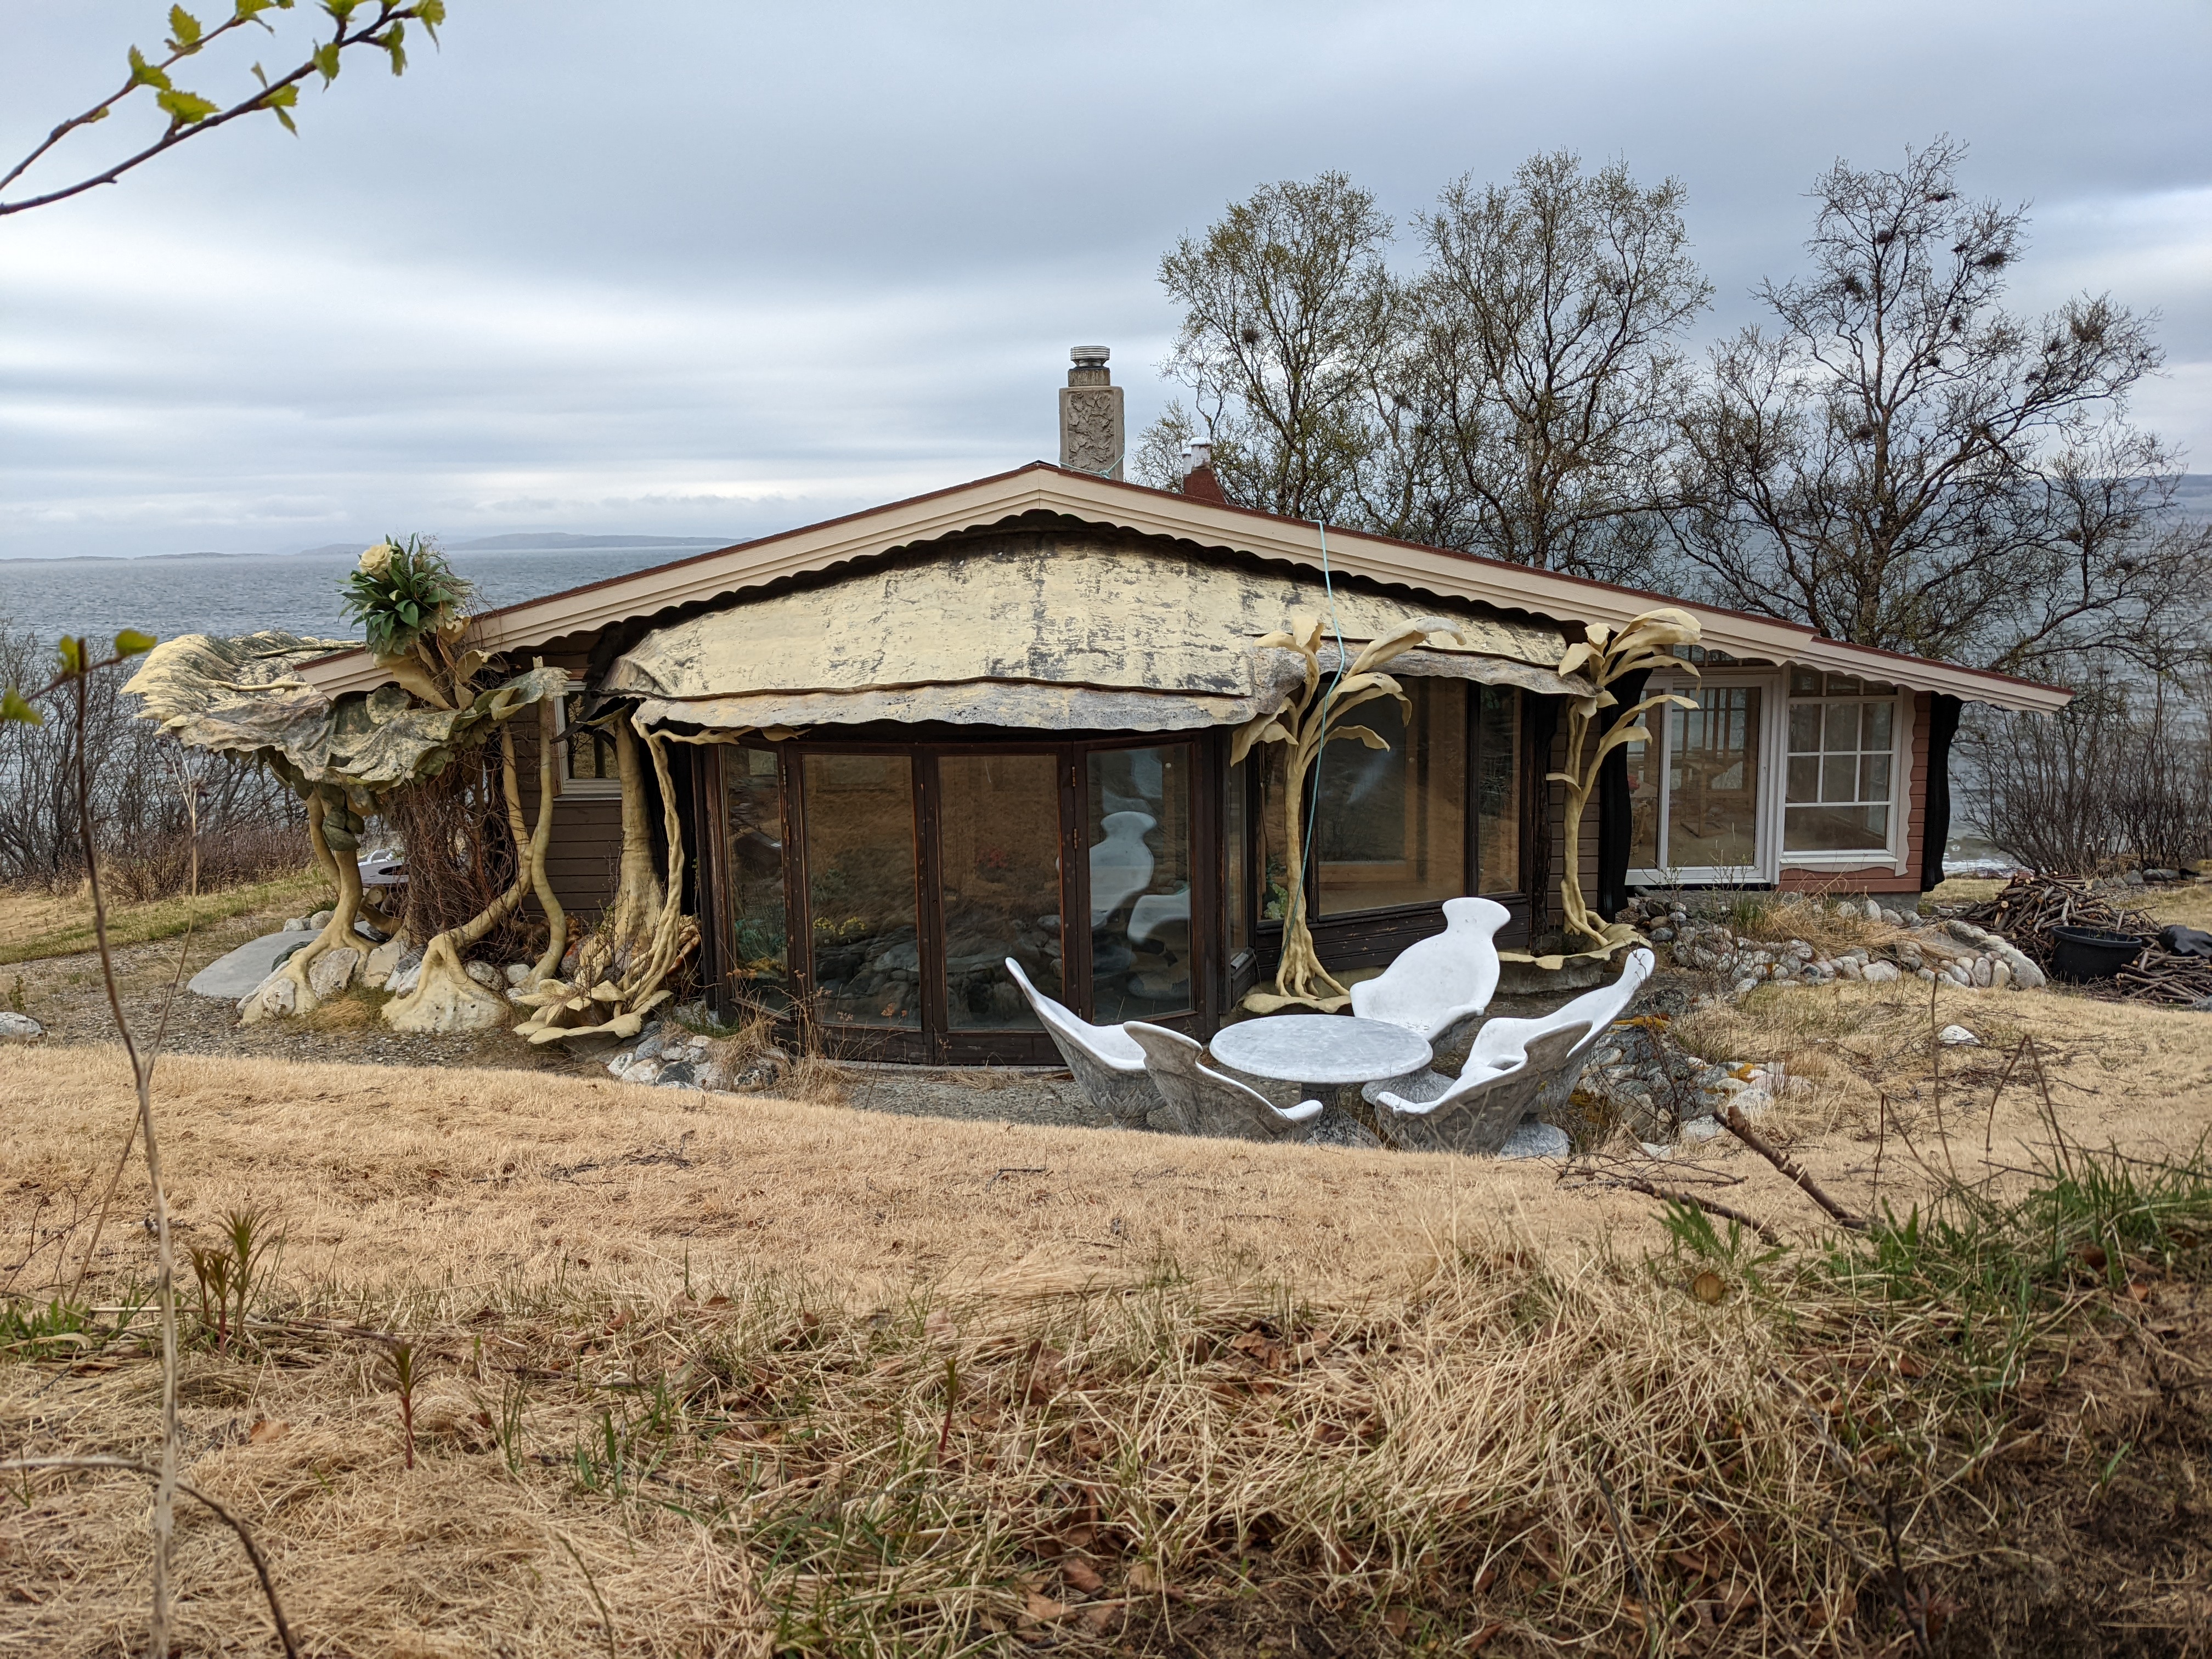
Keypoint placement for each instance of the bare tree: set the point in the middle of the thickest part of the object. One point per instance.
(1516, 395)
(1549, 368)
(1288, 311)
(1903, 463)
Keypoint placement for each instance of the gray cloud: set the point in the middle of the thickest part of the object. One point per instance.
(705, 268)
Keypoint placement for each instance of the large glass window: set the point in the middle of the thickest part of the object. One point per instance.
(1138, 827)
(1694, 807)
(1842, 741)
(860, 888)
(1236, 861)
(754, 781)
(998, 851)
(1390, 824)
(1498, 795)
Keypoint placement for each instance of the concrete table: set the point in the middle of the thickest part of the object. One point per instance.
(1320, 1050)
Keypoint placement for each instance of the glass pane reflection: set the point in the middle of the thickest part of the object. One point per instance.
(1137, 825)
(753, 780)
(860, 888)
(999, 848)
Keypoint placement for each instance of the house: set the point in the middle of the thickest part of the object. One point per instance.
(995, 720)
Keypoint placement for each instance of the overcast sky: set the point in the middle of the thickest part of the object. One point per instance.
(700, 268)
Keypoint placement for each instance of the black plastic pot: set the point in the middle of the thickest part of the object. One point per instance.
(2086, 953)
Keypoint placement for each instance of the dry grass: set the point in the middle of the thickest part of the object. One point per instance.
(2190, 906)
(35, 923)
(745, 1376)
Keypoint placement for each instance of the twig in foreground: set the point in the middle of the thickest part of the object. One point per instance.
(1675, 1196)
(1740, 1127)
(131, 1466)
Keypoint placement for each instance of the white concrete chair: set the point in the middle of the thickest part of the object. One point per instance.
(1601, 1007)
(1202, 1102)
(1107, 1063)
(1492, 1094)
(1437, 986)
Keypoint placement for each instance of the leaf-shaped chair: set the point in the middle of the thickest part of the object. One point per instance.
(1494, 1092)
(1439, 986)
(1200, 1101)
(1108, 1063)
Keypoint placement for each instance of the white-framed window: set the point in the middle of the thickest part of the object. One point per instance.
(1770, 770)
(1703, 795)
(1848, 761)
(588, 766)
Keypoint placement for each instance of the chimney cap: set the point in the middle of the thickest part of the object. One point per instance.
(1089, 357)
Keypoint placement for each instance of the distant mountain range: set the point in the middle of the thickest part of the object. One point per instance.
(553, 538)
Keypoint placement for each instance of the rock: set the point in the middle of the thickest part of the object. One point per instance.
(1893, 918)
(654, 1040)
(2134, 879)
(296, 925)
(517, 972)
(2161, 875)
(2000, 973)
(1880, 973)
(274, 998)
(1662, 935)
(373, 935)
(382, 961)
(18, 1028)
(320, 920)
(2202, 1005)
(1535, 1138)
(642, 1071)
(1982, 972)
(1871, 911)
(1849, 968)
(484, 973)
(1928, 974)
(331, 973)
(768, 1071)
(245, 970)
(677, 1074)
(1957, 1036)
(1652, 1149)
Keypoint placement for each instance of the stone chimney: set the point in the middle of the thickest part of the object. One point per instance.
(1091, 416)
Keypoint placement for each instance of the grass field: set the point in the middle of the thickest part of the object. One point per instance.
(35, 923)
(709, 1374)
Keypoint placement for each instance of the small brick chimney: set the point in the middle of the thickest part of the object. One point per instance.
(1198, 480)
(1091, 416)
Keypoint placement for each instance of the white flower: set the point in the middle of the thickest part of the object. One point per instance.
(377, 561)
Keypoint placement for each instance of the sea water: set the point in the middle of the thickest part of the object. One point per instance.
(297, 593)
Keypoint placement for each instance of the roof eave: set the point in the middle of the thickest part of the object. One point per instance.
(1040, 486)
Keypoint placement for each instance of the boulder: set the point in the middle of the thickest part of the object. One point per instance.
(382, 962)
(517, 972)
(295, 924)
(484, 975)
(320, 920)
(1957, 1036)
(331, 973)
(18, 1028)
(274, 998)
(1880, 973)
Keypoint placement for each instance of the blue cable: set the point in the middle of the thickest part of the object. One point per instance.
(1328, 587)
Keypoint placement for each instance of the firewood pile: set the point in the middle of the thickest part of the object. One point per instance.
(2030, 907)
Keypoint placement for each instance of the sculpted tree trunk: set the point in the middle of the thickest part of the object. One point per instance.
(289, 990)
(619, 970)
(444, 998)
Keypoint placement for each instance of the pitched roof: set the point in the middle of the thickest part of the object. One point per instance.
(1042, 486)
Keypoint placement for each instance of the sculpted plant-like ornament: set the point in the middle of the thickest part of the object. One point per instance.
(1310, 719)
(1643, 643)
